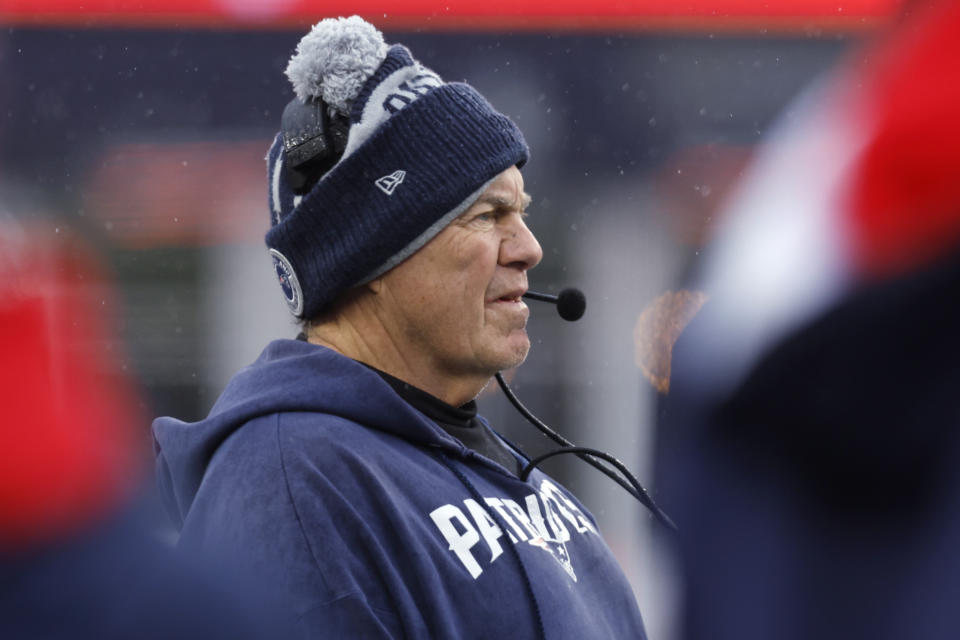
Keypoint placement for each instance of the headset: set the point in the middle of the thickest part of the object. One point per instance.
(313, 141)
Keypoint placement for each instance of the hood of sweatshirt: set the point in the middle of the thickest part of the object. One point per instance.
(289, 376)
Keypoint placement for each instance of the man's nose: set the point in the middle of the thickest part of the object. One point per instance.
(520, 248)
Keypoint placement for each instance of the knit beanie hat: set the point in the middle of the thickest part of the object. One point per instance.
(416, 153)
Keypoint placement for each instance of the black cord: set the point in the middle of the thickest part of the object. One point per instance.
(631, 485)
(637, 487)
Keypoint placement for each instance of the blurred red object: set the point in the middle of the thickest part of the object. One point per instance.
(905, 200)
(69, 450)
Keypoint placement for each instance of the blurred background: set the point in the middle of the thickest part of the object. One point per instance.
(140, 128)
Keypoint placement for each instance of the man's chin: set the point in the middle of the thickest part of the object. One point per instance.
(517, 354)
(506, 353)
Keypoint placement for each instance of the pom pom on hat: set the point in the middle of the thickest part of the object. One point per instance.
(334, 61)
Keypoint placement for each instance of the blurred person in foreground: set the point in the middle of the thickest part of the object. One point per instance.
(811, 439)
(77, 555)
(349, 467)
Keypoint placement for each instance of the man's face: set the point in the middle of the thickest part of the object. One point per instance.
(454, 306)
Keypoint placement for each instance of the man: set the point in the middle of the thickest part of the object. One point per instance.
(349, 468)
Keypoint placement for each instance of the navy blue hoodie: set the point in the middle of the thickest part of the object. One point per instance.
(373, 522)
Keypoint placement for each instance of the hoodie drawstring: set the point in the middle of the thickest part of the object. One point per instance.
(503, 525)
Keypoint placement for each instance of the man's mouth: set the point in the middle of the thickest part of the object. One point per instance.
(514, 296)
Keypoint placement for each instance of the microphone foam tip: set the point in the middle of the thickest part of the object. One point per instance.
(571, 303)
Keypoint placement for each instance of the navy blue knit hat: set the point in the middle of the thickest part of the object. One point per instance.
(418, 153)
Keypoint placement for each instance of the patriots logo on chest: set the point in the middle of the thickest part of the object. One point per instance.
(559, 552)
(547, 520)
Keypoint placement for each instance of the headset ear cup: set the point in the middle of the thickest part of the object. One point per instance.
(301, 179)
(312, 142)
(339, 129)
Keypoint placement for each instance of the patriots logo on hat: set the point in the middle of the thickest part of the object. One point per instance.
(289, 283)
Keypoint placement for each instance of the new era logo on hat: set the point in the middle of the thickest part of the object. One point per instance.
(390, 182)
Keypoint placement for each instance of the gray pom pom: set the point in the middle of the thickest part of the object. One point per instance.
(335, 59)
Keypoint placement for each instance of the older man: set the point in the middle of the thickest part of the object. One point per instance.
(349, 468)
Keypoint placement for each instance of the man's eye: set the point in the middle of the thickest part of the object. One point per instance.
(485, 217)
